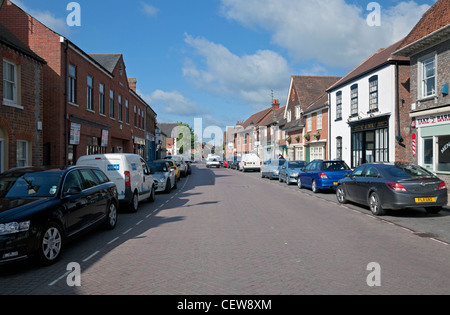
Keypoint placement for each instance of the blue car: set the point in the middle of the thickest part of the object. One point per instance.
(320, 174)
(289, 171)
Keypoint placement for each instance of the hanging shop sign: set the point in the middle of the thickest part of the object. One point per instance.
(75, 131)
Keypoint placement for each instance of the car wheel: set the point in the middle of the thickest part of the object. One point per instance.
(340, 194)
(152, 195)
(262, 175)
(50, 245)
(288, 182)
(111, 219)
(134, 203)
(280, 179)
(314, 187)
(299, 183)
(433, 210)
(168, 187)
(375, 205)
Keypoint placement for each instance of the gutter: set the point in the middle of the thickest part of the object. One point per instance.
(66, 99)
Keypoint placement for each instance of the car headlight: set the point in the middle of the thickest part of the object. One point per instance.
(294, 175)
(162, 180)
(14, 227)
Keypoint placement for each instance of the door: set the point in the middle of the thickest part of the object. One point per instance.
(428, 154)
(75, 203)
(97, 199)
(353, 184)
(147, 180)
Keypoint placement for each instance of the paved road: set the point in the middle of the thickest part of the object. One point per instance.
(225, 232)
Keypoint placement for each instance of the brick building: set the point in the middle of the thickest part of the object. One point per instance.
(428, 117)
(90, 106)
(21, 103)
(306, 112)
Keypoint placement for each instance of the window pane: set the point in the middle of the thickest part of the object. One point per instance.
(428, 151)
(444, 154)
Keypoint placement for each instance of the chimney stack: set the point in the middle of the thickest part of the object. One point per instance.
(275, 105)
(132, 83)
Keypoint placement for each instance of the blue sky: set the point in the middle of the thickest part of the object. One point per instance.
(220, 60)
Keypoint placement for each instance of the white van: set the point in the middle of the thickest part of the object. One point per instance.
(250, 161)
(129, 172)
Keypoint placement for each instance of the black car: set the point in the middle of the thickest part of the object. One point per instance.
(393, 186)
(41, 208)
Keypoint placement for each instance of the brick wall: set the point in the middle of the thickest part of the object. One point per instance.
(20, 123)
(404, 153)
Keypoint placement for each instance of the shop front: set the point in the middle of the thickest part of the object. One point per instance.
(370, 141)
(433, 142)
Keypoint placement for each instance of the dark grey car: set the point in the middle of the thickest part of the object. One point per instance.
(393, 186)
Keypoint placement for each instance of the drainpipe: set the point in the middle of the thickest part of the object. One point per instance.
(66, 97)
(399, 137)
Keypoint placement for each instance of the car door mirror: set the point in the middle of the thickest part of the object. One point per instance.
(72, 191)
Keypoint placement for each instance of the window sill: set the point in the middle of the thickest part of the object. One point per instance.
(73, 104)
(11, 104)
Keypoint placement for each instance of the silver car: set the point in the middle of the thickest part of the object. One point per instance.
(289, 171)
(181, 163)
(163, 175)
(270, 168)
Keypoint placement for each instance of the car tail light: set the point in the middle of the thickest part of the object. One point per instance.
(323, 176)
(442, 185)
(396, 186)
(127, 179)
(245, 163)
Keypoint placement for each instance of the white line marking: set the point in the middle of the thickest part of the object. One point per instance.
(127, 231)
(64, 275)
(87, 258)
(113, 240)
(137, 223)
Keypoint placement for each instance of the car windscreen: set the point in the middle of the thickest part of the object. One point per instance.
(158, 167)
(408, 171)
(334, 166)
(281, 162)
(39, 184)
(296, 164)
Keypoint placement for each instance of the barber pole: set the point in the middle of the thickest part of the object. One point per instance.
(414, 137)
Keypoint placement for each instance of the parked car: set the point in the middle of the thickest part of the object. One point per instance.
(289, 171)
(163, 175)
(41, 208)
(181, 163)
(270, 168)
(250, 162)
(129, 172)
(234, 164)
(212, 162)
(320, 174)
(225, 163)
(189, 167)
(394, 186)
(174, 166)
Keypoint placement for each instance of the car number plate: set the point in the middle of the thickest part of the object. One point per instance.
(427, 199)
(250, 163)
(335, 183)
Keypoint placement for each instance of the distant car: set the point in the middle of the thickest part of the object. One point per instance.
(394, 186)
(174, 166)
(225, 163)
(270, 168)
(289, 171)
(320, 174)
(234, 164)
(250, 162)
(163, 175)
(212, 162)
(181, 163)
(41, 208)
(189, 167)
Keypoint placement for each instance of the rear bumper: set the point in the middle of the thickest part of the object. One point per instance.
(397, 200)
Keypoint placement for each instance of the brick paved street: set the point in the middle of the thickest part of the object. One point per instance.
(227, 233)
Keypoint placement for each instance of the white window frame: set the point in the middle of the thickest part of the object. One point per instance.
(421, 90)
(24, 157)
(289, 118)
(319, 121)
(90, 92)
(7, 101)
(298, 112)
(309, 123)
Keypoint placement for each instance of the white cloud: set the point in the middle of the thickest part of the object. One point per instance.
(333, 32)
(149, 9)
(249, 78)
(173, 103)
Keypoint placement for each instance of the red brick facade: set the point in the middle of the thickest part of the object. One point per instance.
(59, 113)
(20, 121)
